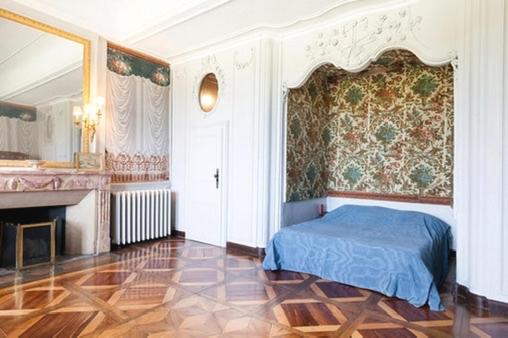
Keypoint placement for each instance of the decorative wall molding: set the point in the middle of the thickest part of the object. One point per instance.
(47, 79)
(281, 30)
(391, 197)
(173, 21)
(21, 181)
(353, 44)
(181, 73)
(241, 64)
(354, 41)
(481, 189)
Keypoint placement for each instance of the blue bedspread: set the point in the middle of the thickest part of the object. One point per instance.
(398, 253)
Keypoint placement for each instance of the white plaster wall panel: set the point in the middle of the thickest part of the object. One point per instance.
(425, 27)
(504, 259)
(243, 157)
(481, 259)
(180, 96)
(277, 143)
(267, 73)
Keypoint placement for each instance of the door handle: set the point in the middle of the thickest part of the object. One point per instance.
(216, 176)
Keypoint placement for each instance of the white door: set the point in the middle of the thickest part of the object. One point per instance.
(204, 221)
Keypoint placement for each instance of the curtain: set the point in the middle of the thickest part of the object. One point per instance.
(137, 134)
(17, 135)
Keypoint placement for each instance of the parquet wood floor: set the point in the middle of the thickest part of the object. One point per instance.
(181, 288)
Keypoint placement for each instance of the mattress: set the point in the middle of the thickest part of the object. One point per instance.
(400, 254)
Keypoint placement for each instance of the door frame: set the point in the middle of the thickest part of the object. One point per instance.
(224, 202)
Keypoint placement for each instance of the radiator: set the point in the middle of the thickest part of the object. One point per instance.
(140, 215)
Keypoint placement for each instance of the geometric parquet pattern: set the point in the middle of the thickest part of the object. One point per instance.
(181, 288)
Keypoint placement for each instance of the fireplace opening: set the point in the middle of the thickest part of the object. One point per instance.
(30, 236)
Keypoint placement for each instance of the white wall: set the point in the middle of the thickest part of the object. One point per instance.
(482, 153)
(58, 138)
(243, 106)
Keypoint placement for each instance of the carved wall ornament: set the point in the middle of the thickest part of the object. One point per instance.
(455, 63)
(209, 64)
(243, 64)
(20, 181)
(181, 73)
(354, 41)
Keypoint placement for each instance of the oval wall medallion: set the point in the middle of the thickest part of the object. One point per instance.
(208, 92)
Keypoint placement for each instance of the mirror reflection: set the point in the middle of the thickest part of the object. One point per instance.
(41, 80)
(208, 92)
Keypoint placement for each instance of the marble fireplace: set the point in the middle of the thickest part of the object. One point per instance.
(84, 194)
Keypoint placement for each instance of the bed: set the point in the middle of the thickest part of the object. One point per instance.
(400, 254)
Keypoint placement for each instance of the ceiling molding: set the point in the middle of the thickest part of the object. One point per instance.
(76, 97)
(162, 22)
(42, 81)
(170, 22)
(22, 48)
(282, 31)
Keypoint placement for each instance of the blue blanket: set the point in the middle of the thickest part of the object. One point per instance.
(398, 253)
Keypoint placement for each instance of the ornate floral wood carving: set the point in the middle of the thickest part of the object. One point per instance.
(354, 41)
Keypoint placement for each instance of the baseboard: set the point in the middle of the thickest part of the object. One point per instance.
(462, 294)
(177, 233)
(257, 252)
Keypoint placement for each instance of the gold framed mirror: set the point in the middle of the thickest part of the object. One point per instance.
(45, 73)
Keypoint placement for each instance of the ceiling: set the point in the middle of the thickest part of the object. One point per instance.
(171, 28)
(117, 19)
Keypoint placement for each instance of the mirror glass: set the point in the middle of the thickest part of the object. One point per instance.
(208, 92)
(41, 80)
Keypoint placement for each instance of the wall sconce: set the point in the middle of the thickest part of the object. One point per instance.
(89, 117)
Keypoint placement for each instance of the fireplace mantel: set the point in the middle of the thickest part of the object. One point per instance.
(85, 193)
(19, 180)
